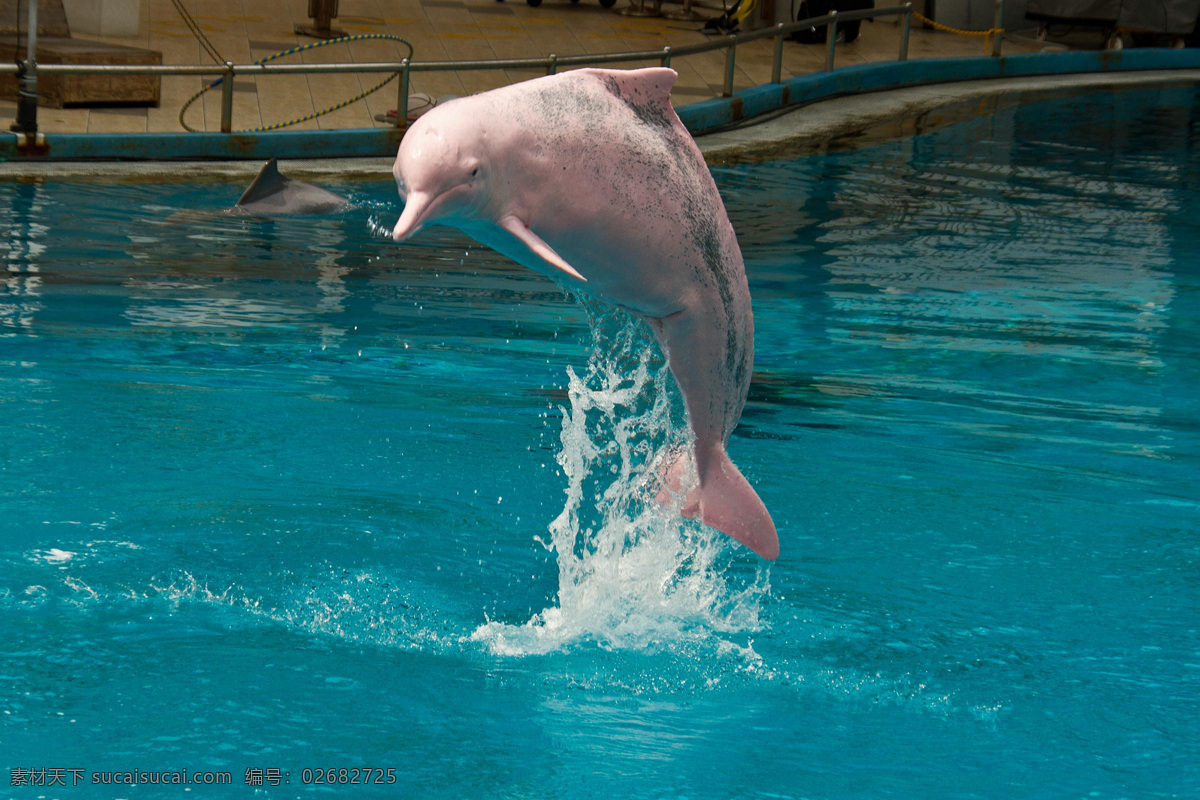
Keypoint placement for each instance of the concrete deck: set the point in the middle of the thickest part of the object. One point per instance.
(243, 31)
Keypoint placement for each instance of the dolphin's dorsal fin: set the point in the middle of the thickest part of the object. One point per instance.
(652, 82)
(538, 246)
(267, 182)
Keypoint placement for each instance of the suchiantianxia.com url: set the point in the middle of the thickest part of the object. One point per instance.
(73, 776)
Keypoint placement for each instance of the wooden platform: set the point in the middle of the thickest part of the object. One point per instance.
(86, 90)
(52, 19)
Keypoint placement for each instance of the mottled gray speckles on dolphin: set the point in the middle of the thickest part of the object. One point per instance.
(590, 178)
(645, 109)
(707, 240)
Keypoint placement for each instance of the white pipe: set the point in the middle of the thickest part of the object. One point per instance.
(31, 41)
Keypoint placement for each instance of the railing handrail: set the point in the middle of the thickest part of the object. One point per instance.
(552, 63)
(543, 62)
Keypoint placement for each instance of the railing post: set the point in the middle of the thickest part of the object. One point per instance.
(730, 54)
(227, 99)
(905, 26)
(686, 14)
(640, 10)
(27, 100)
(553, 66)
(831, 41)
(666, 57)
(402, 98)
(998, 24)
(777, 64)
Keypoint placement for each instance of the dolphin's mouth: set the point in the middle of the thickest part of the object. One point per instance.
(416, 206)
(418, 210)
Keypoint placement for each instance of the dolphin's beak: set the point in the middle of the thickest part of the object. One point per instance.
(409, 223)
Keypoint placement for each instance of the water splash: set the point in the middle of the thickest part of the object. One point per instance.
(632, 573)
(378, 228)
(352, 606)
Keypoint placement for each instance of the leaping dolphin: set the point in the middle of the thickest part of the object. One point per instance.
(590, 177)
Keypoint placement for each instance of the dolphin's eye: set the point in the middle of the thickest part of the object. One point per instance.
(474, 172)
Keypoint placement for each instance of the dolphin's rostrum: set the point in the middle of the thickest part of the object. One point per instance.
(590, 177)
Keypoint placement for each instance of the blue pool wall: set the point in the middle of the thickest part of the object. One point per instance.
(701, 117)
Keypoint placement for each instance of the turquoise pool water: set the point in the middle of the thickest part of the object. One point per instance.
(274, 493)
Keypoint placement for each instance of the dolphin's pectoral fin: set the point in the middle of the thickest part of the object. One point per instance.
(265, 183)
(539, 247)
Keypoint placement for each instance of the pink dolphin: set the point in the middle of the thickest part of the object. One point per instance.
(590, 177)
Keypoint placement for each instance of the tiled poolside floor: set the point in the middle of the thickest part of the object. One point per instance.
(246, 30)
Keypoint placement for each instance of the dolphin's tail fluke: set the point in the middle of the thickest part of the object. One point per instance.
(729, 503)
(725, 500)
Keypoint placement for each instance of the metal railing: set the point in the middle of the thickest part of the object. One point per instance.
(551, 64)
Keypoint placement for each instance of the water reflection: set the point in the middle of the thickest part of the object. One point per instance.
(211, 312)
(21, 248)
(330, 247)
(216, 291)
(1029, 241)
(997, 259)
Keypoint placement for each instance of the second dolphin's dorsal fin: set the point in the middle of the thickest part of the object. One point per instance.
(638, 85)
(266, 183)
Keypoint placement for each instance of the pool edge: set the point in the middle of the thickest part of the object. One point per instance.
(821, 122)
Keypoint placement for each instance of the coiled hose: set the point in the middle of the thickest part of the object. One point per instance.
(293, 51)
